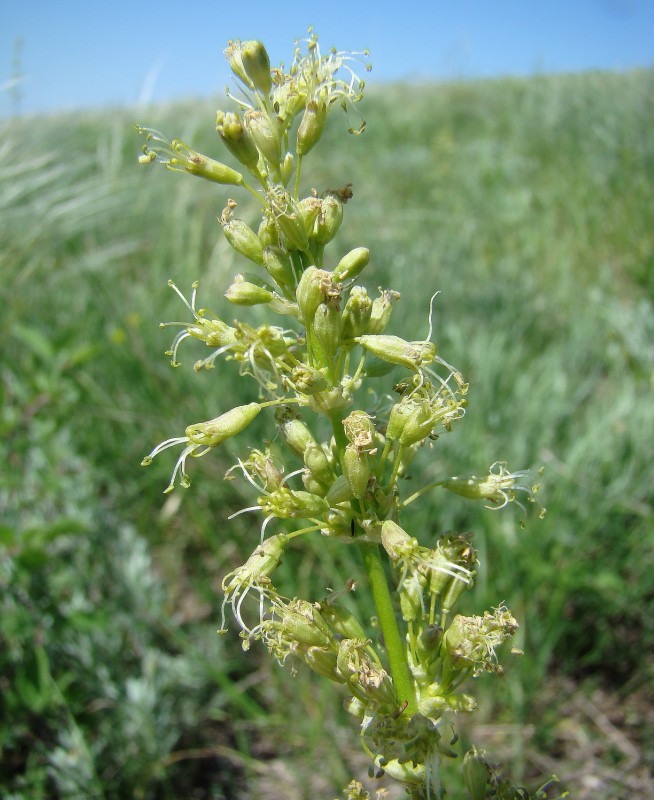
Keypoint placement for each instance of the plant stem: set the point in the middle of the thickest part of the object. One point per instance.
(395, 647)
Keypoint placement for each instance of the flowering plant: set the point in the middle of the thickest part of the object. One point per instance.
(403, 677)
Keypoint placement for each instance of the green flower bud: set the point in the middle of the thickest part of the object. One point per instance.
(243, 239)
(382, 308)
(327, 327)
(398, 418)
(339, 492)
(256, 65)
(329, 220)
(265, 134)
(214, 332)
(312, 484)
(475, 774)
(233, 55)
(412, 604)
(237, 139)
(309, 208)
(287, 504)
(278, 264)
(500, 486)
(323, 662)
(301, 622)
(311, 126)
(398, 351)
(316, 461)
(296, 435)
(419, 424)
(288, 220)
(208, 168)
(307, 380)
(244, 293)
(215, 431)
(341, 620)
(268, 232)
(352, 264)
(396, 541)
(179, 157)
(288, 165)
(314, 287)
(356, 313)
(261, 564)
(356, 468)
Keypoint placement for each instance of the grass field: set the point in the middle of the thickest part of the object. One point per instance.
(529, 205)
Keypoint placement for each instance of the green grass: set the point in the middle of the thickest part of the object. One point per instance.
(527, 203)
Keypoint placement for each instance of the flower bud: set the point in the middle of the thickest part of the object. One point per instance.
(329, 219)
(287, 504)
(311, 126)
(475, 774)
(418, 421)
(307, 380)
(243, 239)
(208, 168)
(312, 290)
(356, 313)
(301, 622)
(327, 327)
(215, 431)
(323, 662)
(261, 564)
(398, 418)
(268, 232)
(256, 65)
(309, 208)
(381, 311)
(341, 620)
(233, 55)
(278, 264)
(265, 134)
(398, 351)
(339, 492)
(288, 165)
(316, 461)
(237, 139)
(289, 220)
(296, 435)
(412, 604)
(312, 484)
(352, 264)
(356, 468)
(396, 541)
(244, 293)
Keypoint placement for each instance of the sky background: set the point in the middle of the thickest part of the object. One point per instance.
(86, 54)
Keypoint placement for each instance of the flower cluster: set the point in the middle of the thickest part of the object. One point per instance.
(332, 340)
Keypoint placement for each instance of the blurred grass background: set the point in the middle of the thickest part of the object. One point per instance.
(529, 204)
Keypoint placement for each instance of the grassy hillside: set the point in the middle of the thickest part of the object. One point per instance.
(528, 204)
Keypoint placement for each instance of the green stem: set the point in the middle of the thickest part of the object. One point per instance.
(395, 647)
(420, 492)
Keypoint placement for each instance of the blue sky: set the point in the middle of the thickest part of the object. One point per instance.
(81, 53)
